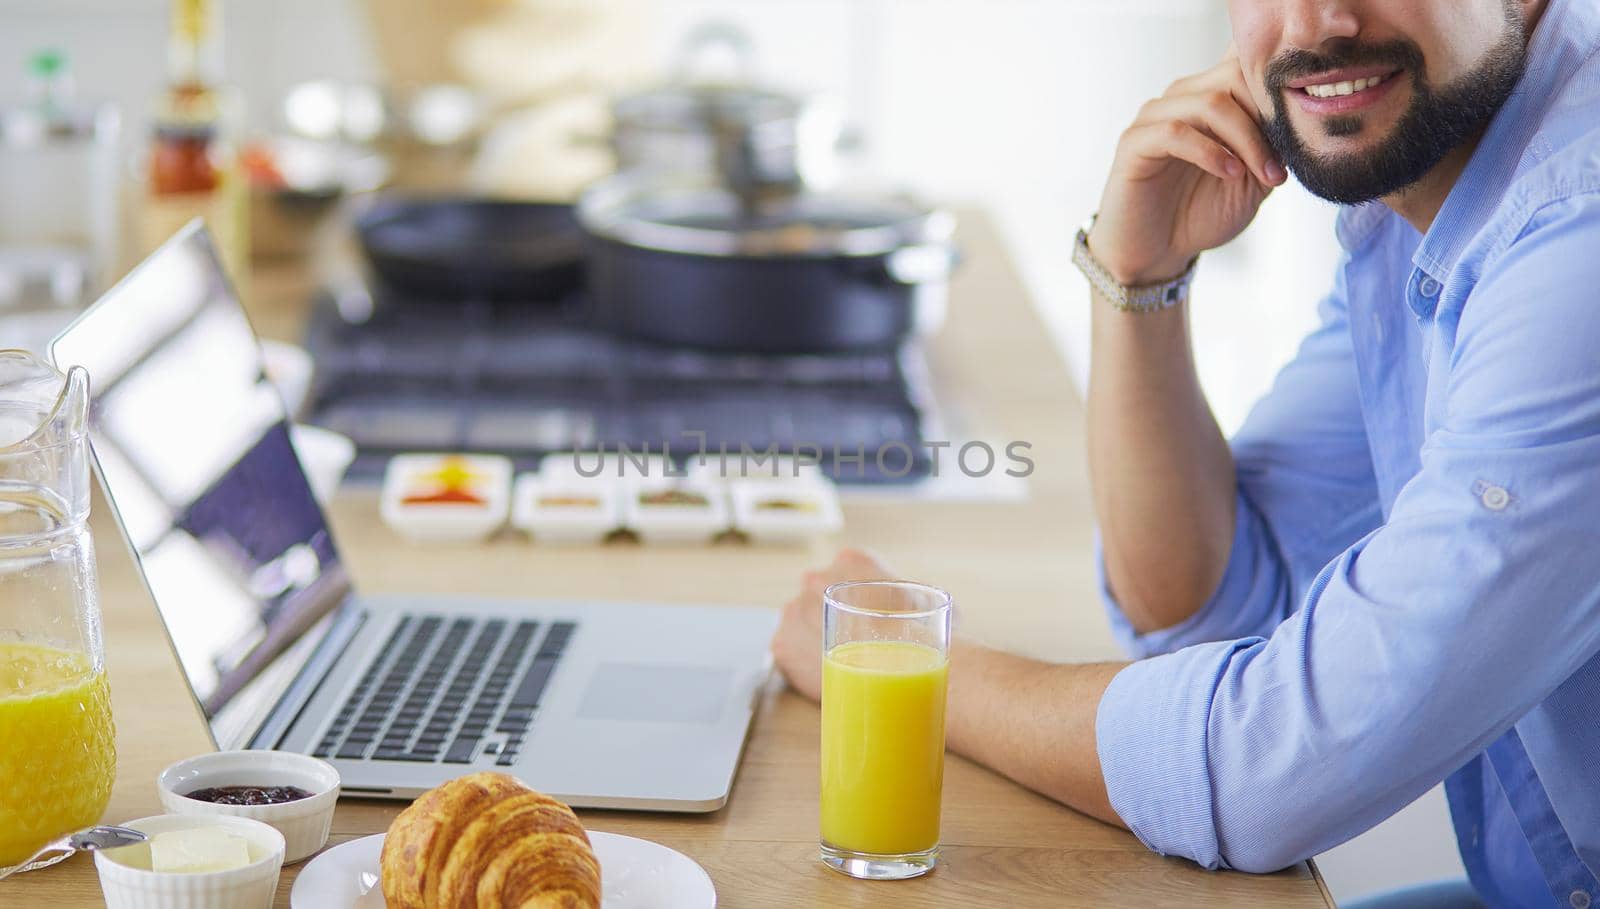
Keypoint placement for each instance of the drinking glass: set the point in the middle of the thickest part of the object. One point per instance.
(884, 670)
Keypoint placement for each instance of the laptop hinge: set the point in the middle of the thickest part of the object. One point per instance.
(343, 624)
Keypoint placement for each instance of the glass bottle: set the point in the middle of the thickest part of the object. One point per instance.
(193, 170)
(57, 748)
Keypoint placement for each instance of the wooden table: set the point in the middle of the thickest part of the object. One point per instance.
(1021, 574)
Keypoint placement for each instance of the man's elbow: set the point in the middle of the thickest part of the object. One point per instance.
(1264, 858)
(1265, 849)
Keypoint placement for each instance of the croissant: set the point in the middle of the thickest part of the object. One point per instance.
(486, 840)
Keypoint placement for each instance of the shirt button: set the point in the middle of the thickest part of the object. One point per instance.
(1579, 900)
(1428, 287)
(1495, 498)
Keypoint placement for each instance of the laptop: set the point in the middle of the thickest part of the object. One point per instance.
(602, 705)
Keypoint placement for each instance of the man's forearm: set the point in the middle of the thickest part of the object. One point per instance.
(1161, 471)
(1032, 722)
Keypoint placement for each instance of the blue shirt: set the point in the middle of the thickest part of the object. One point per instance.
(1413, 591)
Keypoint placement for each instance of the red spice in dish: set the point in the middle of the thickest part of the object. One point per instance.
(446, 496)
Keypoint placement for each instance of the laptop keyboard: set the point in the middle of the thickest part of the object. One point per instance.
(444, 690)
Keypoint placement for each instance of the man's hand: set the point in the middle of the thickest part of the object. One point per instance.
(1189, 175)
(797, 646)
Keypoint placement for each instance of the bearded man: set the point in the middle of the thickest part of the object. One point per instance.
(1390, 577)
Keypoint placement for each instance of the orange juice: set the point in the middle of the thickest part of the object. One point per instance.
(882, 746)
(57, 754)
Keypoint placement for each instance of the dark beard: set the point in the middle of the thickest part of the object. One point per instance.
(1436, 123)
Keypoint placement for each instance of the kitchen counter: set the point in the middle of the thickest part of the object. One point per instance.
(1020, 571)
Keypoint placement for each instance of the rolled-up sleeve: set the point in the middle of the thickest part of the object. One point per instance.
(1427, 638)
(1305, 492)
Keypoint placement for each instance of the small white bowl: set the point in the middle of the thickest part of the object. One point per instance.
(566, 524)
(437, 523)
(819, 517)
(128, 882)
(303, 823)
(675, 523)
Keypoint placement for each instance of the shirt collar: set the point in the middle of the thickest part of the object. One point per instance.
(1568, 33)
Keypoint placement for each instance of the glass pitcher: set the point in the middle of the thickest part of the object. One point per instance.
(57, 757)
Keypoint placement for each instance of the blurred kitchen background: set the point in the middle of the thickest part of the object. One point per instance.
(1011, 106)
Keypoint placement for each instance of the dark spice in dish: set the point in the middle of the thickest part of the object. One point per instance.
(784, 505)
(249, 795)
(674, 497)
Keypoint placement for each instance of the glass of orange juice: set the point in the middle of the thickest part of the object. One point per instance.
(885, 664)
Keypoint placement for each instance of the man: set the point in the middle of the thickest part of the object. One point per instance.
(1391, 577)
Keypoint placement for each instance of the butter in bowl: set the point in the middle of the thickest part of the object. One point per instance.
(193, 862)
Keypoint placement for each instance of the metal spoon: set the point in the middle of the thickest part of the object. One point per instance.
(86, 840)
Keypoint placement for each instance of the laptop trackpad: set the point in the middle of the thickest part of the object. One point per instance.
(662, 694)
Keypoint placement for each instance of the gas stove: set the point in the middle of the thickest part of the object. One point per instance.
(527, 379)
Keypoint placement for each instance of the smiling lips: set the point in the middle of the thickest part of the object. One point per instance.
(1342, 92)
(1347, 87)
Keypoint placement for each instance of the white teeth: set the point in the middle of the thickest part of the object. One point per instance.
(1335, 89)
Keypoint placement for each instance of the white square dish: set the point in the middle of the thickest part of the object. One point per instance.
(435, 498)
(664, 509)
(786, 512)
(557, 509)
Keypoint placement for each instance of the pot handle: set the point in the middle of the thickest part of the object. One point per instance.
(923, 263)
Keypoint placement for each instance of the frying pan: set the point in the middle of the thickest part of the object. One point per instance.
(454, 248)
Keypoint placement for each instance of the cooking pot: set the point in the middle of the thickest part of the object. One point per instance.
(688, 262)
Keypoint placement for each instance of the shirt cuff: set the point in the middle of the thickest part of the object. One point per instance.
(1150, 733)
(1248, 601)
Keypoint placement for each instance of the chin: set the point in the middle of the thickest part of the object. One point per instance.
(1334, 137)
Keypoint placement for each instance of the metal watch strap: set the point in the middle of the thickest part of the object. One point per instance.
(1144, 298)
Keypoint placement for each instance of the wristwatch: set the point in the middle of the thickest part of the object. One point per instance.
(1144, 298)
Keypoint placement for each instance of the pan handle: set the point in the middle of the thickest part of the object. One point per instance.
(923, 263)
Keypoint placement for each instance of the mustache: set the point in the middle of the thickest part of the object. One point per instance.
(1293, 64)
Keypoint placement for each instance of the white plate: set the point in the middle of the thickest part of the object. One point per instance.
(634, 874)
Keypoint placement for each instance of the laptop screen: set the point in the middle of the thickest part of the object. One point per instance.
(194, 452)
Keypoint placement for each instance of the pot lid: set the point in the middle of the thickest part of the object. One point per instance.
(695, 108)
(701, 219)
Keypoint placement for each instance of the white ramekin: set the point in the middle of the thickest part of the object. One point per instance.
(304, 823)
(128, 886)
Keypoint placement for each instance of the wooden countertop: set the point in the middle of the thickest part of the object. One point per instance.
(1020, 572)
